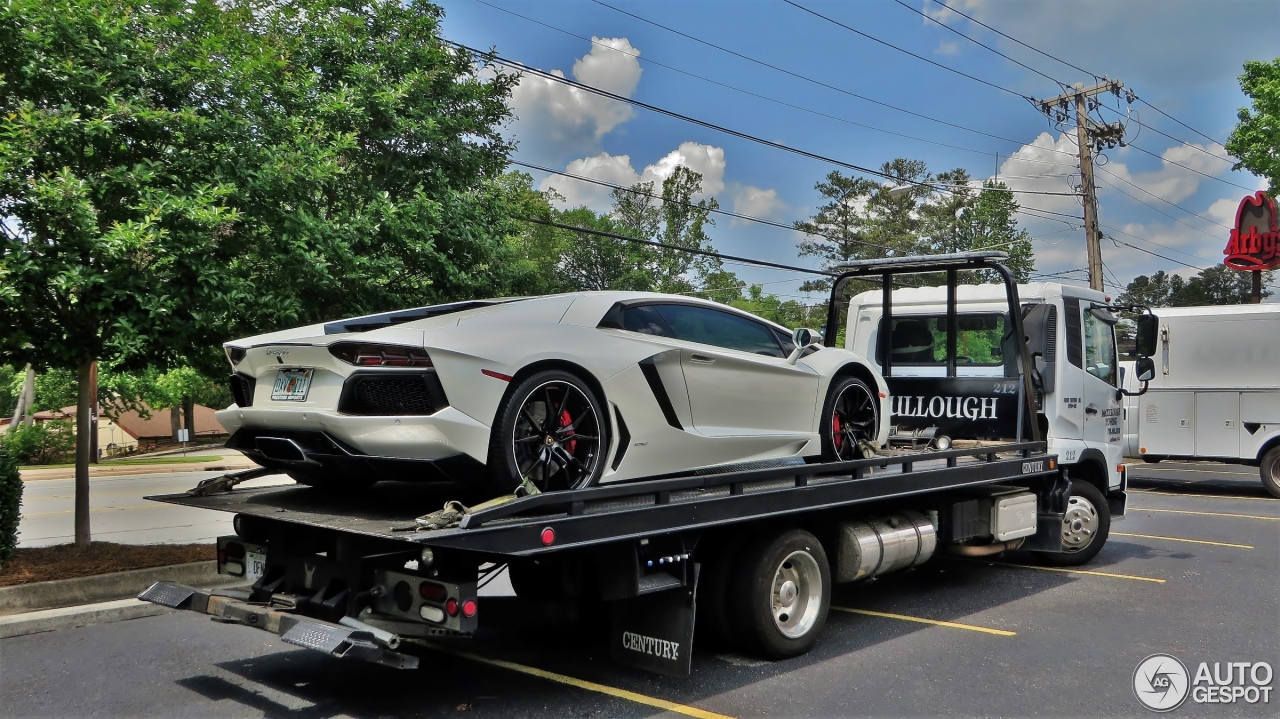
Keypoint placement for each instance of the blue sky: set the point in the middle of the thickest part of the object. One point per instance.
(1181, 56)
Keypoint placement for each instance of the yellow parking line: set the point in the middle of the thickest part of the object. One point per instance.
(1180, 539)
(589, 686)
(95, 509)
(1207, 514)
(1198, 495)
(937, 622)
(1113, 575)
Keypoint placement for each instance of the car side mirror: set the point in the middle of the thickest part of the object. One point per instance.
(803, 337)
(1145, 343)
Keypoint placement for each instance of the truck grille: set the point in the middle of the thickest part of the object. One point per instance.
(242, 387)
(411, 394)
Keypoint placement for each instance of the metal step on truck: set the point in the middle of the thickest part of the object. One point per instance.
(748, 551)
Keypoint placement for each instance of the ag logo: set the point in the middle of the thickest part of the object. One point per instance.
(1161, 682)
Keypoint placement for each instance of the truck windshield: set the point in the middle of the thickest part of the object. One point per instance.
(1099, 349)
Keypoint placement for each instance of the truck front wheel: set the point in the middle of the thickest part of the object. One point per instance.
(782, 593)
(1270, 470)
(1084, 527)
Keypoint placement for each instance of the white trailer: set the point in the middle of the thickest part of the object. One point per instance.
(1216, 390)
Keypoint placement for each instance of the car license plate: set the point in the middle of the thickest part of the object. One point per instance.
(255, 565)
(291, 385)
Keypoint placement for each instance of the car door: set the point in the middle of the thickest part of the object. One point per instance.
(737, 375)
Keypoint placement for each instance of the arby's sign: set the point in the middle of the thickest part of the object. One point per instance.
(1255, 239)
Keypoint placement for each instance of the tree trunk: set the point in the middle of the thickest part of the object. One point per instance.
(83, 405)
(189, 412)
(175, 421)
(22, 397)
(29, 384)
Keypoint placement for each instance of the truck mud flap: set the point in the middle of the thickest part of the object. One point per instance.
(654, 632)
(343, 641)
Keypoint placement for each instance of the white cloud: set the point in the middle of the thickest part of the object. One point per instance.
(948, 47)
(555, 119)
(756, 202)
(705, 159)
(1171, 182)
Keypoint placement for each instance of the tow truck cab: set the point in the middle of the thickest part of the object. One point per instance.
(972, 392)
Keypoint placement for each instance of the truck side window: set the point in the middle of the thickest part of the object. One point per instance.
(1099, 349)
(922, 340)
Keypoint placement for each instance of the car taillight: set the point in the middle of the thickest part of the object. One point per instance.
(235, 354)
(365, 355)
(451, 607)
(469, 608)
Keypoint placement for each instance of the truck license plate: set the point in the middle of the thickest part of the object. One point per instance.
(291, 385)
(255, 565)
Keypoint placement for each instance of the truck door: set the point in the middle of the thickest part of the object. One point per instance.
(1103, 427)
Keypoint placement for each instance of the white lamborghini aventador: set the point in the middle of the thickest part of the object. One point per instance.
(565, 390)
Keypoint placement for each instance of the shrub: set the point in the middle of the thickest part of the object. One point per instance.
(10, 502)
(42, 443)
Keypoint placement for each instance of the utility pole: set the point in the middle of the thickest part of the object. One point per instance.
(1090, 135)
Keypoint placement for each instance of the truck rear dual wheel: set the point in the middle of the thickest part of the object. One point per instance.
(1269, 468)
(1085, 527)
(779, 594)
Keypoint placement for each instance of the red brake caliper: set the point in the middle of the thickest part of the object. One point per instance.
(566, 422)
(836, 437)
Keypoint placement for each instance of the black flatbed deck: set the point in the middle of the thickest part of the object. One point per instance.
(611, 513)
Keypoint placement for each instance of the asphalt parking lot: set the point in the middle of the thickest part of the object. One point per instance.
(1192, 571)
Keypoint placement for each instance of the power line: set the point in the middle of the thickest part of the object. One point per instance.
(744, 91)
(979, 43)
(1191, 169)
(690, 250)
(974, 20)
(720, 128)
(873, 38)
(1094, 75)
(1167, 202)
(811, 80)
(736, 215)
(1180, 122)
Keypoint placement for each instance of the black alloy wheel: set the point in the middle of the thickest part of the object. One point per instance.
(851, 415)
(551, 432)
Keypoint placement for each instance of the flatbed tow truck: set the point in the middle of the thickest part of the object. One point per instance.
(749, 551)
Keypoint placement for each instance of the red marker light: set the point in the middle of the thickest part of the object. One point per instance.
(469, 608)
(495, 375)
(548, 536)
(451, 607)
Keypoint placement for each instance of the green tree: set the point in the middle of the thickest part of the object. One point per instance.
(991, 223)
(1256, 140)
(592, 262)
(837, 232)
(1217, 285)
(179, 172)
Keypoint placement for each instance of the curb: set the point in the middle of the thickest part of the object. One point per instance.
(52, 620)
(104, 587)
(176, 468)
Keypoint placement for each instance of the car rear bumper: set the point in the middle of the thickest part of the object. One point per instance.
(310, 453)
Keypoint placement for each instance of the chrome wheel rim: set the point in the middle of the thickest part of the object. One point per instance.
(796, 594)
(556, 441)
(854, 418)
(1079, 525)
